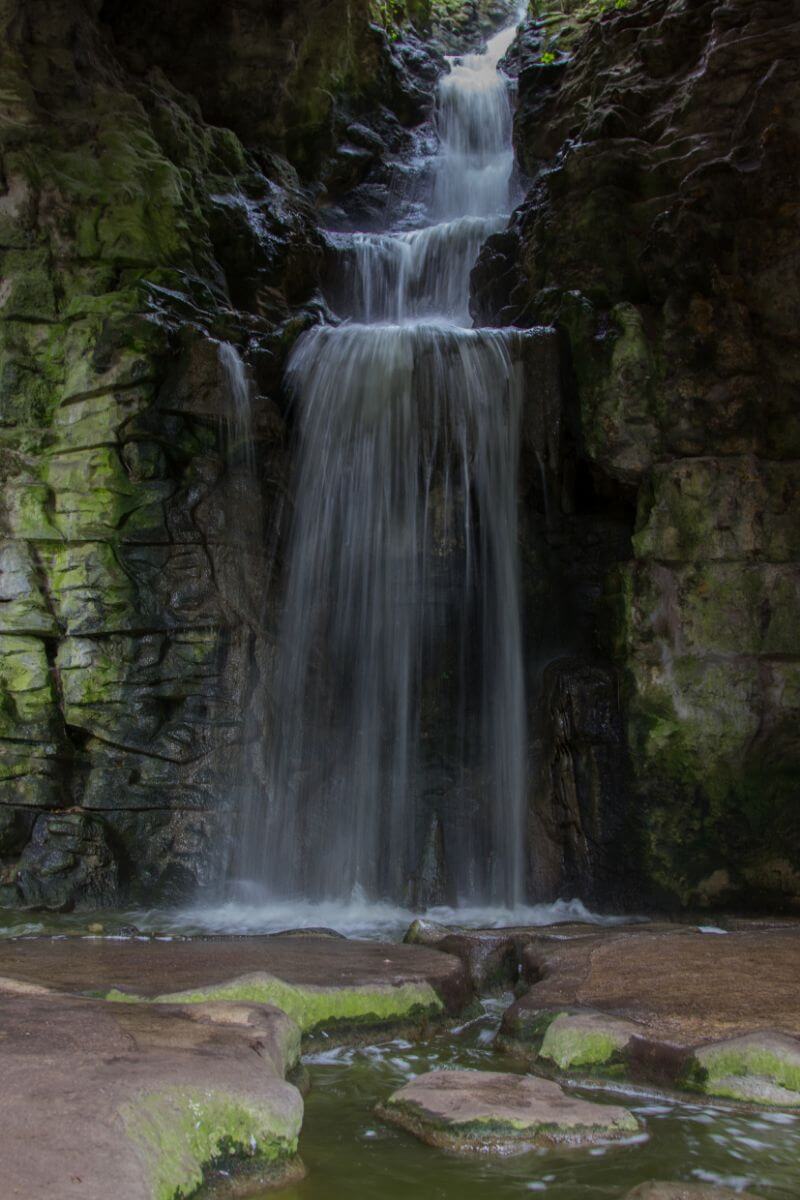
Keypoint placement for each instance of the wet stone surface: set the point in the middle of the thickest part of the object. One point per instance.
(488, 1112)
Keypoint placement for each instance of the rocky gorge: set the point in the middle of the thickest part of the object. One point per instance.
(399, 543)
(160, 205)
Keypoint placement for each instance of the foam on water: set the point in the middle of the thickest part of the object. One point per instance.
(357, 917)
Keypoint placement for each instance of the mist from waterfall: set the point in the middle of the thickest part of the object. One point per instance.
(399, 734)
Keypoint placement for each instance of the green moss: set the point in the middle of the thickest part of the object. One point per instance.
(318, 1008)
(184, 1131)
(480, 1132)
(27, 292)
(732, 1068)
(571, 1042)
(28, 710)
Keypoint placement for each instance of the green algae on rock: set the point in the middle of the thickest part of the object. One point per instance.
(763, 1066)
(478, 1112)
(680, 409)
(586, 1039)
(317, 1009)
(168, 1095)
(183, 1132)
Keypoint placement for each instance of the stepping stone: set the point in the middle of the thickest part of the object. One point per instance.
(585, 1039)
(489, 1112)
(762, 1066)
(140, 1101)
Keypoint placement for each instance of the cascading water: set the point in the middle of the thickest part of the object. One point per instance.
(399, 696)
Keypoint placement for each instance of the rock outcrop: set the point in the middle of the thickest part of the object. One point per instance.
(713, 1012)
(659, 234)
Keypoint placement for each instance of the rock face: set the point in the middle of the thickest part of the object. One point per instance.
(154, 234)
(659, 234)
(479, 1112)
(145, 252)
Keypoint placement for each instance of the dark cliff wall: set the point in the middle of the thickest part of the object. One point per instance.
(660, 234)
(135, 235)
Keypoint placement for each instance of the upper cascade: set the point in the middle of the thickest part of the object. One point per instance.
(474, 124)
(399, 708)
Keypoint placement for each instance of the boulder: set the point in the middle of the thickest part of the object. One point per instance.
(331, 987)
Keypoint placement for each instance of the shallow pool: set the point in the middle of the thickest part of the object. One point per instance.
(351, 1155)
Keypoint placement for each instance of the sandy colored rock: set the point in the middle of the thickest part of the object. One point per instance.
(682, 986)
(138, 1101)
(491, 1112)
(323, 983)
(716, 1013)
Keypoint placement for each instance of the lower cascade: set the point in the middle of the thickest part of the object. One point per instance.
(398, 742)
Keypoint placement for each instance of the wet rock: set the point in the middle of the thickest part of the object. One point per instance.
(430, 886)
(487, 1112)
(201, 1088)
(711, 1012)
(138, 238)
(332, 987)
(585, 1039)
(762, 1066)
(490, 958)
(67, 863)
(634, 129)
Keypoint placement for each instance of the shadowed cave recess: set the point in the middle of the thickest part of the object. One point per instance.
(400, 455)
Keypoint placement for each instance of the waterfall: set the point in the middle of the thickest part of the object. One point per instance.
(398, 698)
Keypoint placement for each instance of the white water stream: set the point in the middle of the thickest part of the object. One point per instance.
(400, 650)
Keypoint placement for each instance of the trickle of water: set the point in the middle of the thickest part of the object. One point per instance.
(239, 419)
(398, 692)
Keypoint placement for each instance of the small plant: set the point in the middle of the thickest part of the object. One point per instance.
(547, 58)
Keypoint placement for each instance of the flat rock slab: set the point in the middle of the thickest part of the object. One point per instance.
(679, 984)
(497, 958)
(489, 1112)
(137, 1101)
(718, 1013)
(320, 981)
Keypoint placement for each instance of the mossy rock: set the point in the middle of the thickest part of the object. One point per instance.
(762, 1067)
(319, 1010)
(485, 1112)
